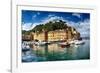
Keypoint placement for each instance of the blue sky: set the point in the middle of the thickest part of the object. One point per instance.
(81, 21)
(38, 16)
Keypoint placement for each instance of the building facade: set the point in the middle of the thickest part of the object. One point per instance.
(57, 35)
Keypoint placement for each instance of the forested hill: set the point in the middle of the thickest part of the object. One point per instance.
(49, 26)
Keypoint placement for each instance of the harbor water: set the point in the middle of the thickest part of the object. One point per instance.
(55, 52)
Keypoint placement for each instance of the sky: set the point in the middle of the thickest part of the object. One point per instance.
(81, 21)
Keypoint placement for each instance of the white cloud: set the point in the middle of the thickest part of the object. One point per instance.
(51, 15)
(34, 16)
(52, 18)
(26, 26)
(38, 13)
(77, 15)
(82, 27)
(29, 26)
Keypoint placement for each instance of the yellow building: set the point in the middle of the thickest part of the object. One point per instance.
(39, 36)
(57, 35)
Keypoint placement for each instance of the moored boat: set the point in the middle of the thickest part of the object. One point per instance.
(41, 43)
(78, 42)
(64, 44)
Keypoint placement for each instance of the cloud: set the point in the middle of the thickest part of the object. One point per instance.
(34, 16)
(51, 15)
(82, 26)
(77, 15)
(29, 26)
(38, 13)
(26, 26)
(52, 18)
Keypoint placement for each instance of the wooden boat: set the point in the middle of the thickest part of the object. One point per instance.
(64, 44)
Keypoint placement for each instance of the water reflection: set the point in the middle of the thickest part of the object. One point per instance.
(54, 52)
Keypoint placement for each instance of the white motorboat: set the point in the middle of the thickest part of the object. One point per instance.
(72, 42)
(78, 42)
(41, 43)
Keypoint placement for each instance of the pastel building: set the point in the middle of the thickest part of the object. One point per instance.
(57, 35)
